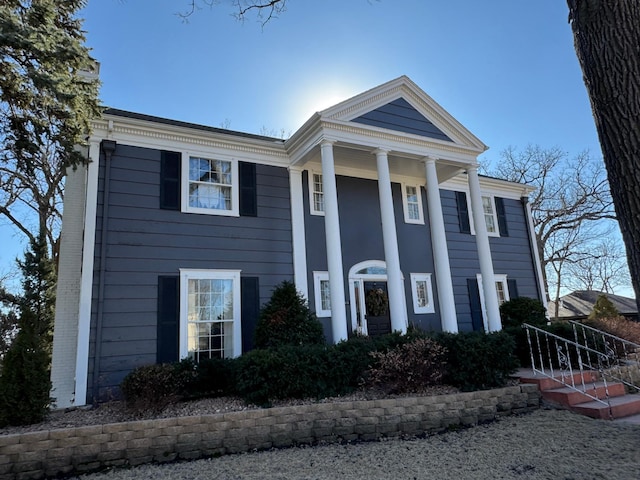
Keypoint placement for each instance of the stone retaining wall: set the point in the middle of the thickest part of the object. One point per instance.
(42, 454)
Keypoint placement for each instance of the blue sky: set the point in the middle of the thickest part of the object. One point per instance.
(506, 69)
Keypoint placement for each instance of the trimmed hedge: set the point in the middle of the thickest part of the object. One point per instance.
(478, 360)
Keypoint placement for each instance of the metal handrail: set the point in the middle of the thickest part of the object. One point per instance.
(615, 358)
(566, 375)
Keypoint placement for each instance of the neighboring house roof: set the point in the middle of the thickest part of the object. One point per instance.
(580, 304)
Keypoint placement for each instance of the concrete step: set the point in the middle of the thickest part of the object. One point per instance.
(569, 396)
(546, 383)
(621, 407)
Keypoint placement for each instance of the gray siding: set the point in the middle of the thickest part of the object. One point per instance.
(399, 115)
(145, 242)
(511, 255)
(361, 233)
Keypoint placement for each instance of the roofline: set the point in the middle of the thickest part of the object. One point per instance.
(178, 123)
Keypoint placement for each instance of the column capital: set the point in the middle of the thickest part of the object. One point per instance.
(327, 142)
(381, 151)
(472, 167)
(429, 159)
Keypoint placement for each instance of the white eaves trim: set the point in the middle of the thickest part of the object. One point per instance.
(149, 134)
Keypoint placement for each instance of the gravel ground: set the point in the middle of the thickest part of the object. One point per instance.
(546, 444)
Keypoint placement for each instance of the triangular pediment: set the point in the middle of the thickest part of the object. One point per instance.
(400, 106)
(401, 116)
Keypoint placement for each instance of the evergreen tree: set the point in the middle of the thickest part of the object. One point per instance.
(46, 103)
(603, 308)
(24, 381)
(286, 320)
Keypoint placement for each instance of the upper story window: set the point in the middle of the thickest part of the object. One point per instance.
(490, 217)
(211, 186)
(412, 204)
(493, 211)
(316, 195)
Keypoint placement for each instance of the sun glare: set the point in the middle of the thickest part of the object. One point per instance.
(309, 99)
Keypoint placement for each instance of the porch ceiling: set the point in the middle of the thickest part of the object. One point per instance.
(363, 160)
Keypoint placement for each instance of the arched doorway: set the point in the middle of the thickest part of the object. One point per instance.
(369, 298)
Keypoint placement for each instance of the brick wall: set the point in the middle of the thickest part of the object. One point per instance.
(56, 452)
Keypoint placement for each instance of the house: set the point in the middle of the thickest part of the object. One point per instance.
(175, 234)
(579, 304)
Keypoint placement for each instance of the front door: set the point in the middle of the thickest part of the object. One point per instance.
(376, 301)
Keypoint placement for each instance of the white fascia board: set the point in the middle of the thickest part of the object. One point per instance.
(495, 186)
(403, 143)
(153, 135)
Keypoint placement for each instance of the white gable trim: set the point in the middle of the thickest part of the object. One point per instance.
(414, 95)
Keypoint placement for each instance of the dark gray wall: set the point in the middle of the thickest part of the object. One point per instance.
(399, 115)
(144, 242)
(361, 233)
(511, 255)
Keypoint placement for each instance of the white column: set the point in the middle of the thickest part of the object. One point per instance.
(334, 247)
(86, 281)
(446, 299)
(397, 301)
(488, 289)
(298, 233)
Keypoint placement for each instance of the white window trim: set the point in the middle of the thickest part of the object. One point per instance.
(429, 307)
(317, 278)
(499, 278)
(187, 274)
(495, 213)
(405, 204)
(184, 187)
(312, 203)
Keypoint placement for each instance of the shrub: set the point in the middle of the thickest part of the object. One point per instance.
(620, 327)
(348, 361)
(522, 310)
(153, 387)
(408, 367)
(287, 320)
(603, 308)
(212, 377)
(286, 372)
(478, 360)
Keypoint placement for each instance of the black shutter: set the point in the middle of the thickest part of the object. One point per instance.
(513, 288)
(249, 310)
(476, 305)
(170, 180)
(502, 218)
(168, 319)
(463, 212)
(248, 190)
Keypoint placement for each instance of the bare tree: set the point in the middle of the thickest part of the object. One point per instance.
(31, 199)
(605, 269)
(607, 42)
(265, 10)
(571, 201)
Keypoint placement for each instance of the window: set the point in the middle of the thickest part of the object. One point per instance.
(412, 204)
(322, 294)
(501, 291)
(490, 217)
(489, 210)
(422, 293)
(316, 195)
(210, 314)
(211, 185)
